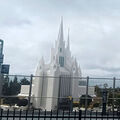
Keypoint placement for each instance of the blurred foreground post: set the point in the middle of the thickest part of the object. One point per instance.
(104, 101)
(86, 96)
(1, 61)
(30, 92)
(113, 94)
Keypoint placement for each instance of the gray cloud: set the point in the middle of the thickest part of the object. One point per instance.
(29, 29)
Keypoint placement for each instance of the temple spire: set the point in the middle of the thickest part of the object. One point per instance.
(60, 35)
(42, 61)
(68, 41)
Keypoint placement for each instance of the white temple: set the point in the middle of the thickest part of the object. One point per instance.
(56, 78)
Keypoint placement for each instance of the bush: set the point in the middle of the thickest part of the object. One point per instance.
(11, 100)
(22, 102)
(82, 100)
(96, 104)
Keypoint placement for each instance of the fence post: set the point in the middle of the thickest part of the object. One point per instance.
(1, 113)
(86, 97)
(30, 91)
(80, 114)
(113, 93)
(59, 94)
(1, 85)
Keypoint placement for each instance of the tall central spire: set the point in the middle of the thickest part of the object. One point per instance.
(68, 41)
(60, 35)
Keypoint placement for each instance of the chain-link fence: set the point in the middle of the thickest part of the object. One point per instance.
(62, 92)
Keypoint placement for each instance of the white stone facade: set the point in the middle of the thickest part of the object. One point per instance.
(56, 78)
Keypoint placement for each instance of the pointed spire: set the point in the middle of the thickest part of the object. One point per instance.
(79, 70)
(68, 41)
(60, 35)
(75, 62)
(42, 60)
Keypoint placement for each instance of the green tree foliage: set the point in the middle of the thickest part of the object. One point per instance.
(24, 81)
(11, 100)
(15, 86)
(11, 87)
(65, 104)
(97, 104)
(6, 88)
(83, 98)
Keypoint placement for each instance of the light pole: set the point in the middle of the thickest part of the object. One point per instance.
(104, 99)
(1, 61)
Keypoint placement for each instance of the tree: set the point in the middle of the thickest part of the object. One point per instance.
(83, 99)
(22, 102)
(11, 88)
(6, 89)
(11, 100)
(15, 86)
(24, 81)
(65, 103)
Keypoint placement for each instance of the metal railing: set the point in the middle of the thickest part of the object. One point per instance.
(56, 115)
(39, 114)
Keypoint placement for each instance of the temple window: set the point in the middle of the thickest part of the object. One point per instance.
(60, 49)
(61, 61)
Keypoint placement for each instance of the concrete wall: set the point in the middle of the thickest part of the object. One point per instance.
(25, 89)
(82, 90)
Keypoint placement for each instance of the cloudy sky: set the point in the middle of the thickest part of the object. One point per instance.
(29, 29)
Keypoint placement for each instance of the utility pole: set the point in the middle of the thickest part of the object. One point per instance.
(30, 92)
(86, 97)
(1, 61)
(104, 99)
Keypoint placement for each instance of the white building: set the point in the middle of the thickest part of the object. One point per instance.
(57, 78)
(82, 91)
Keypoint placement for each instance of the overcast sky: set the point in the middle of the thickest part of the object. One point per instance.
(29, 29)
